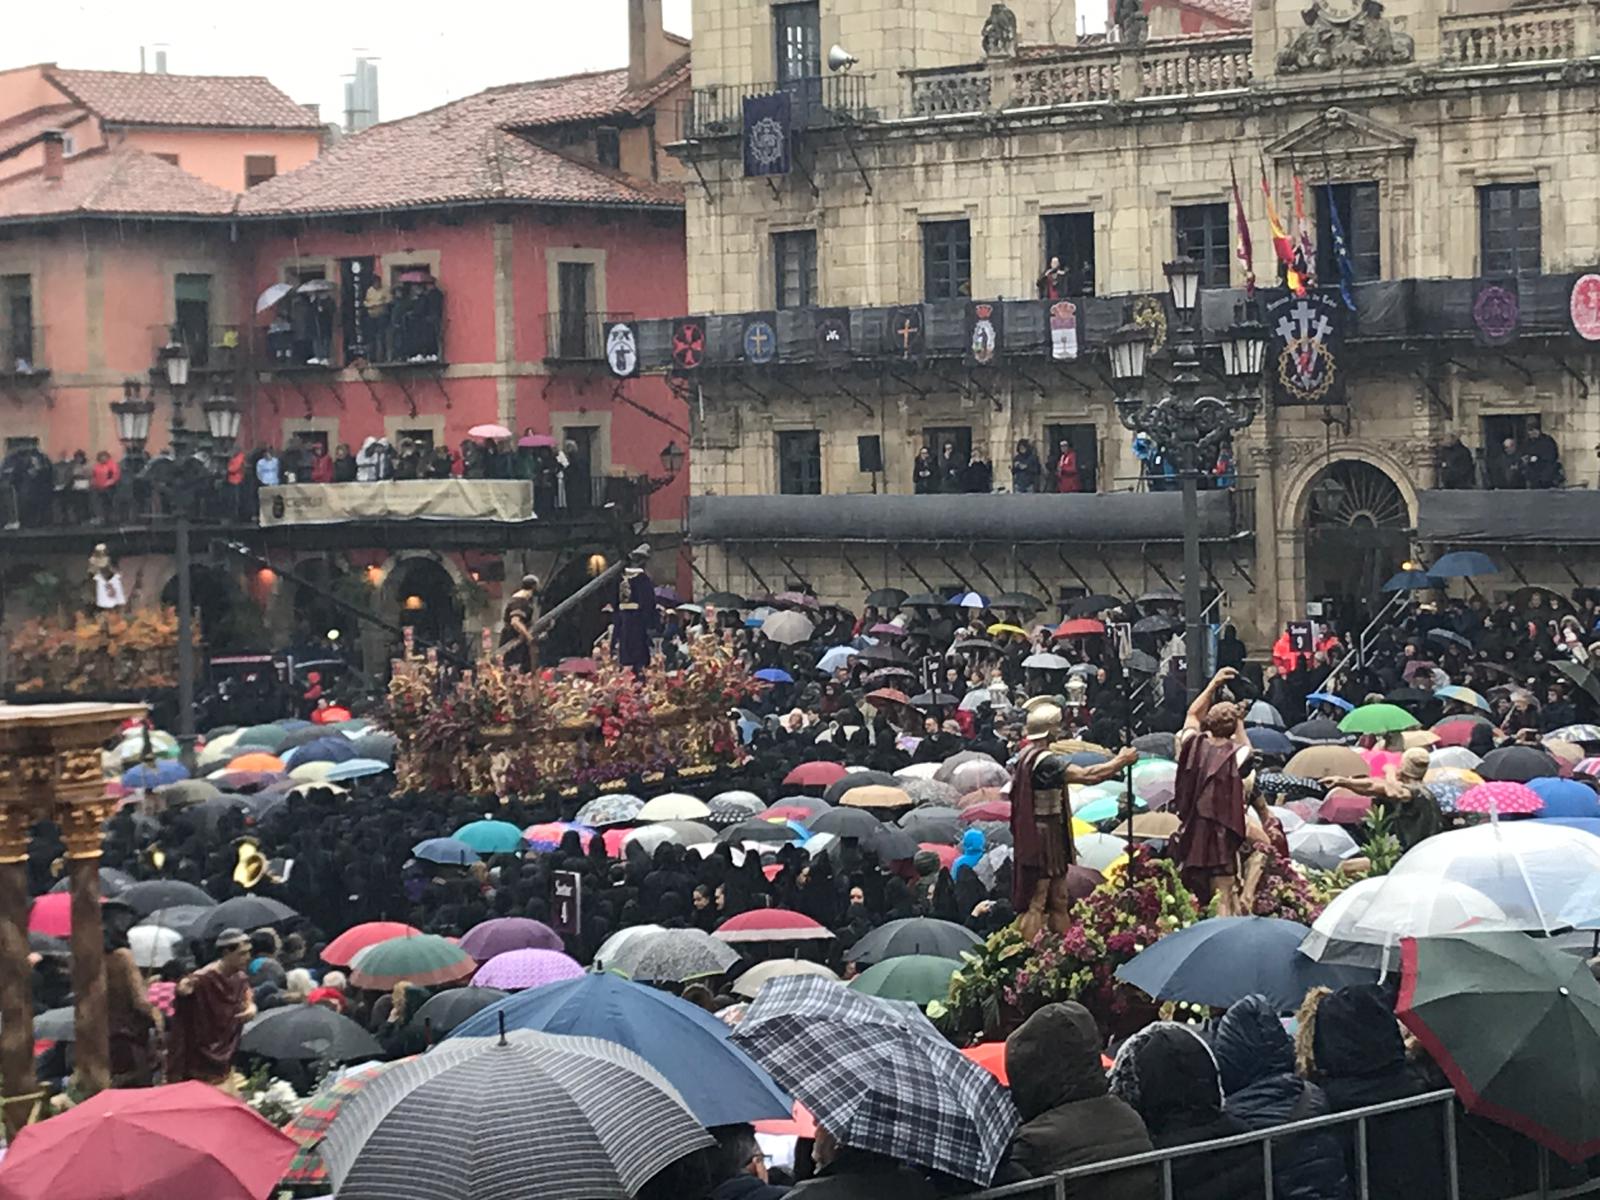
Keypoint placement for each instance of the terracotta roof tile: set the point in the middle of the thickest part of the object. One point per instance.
(29, 125)
(465, 152)
(207, 101)
(122, 182)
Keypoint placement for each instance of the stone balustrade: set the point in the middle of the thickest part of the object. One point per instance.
(1549, 33)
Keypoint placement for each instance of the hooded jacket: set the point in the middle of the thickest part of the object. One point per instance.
(973, 847)
(862, 1175)
(1359, 1059)
(1256, 1058)
(1069, 1116)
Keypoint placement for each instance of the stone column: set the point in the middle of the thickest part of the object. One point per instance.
(80, 823)
(16, 995)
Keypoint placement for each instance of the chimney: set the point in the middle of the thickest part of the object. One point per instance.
(54, 155)
(161, 62)
(647, 42)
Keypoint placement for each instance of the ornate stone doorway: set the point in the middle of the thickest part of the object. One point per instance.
(1357, 535)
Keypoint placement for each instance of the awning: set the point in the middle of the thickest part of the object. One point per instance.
(1109, 517)
(1563, 516)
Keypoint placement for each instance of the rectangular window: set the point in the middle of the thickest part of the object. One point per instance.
(1069, 239)
(16, 291)
(800, 462)
(258, 168)
(1202, 234)
(1357, 204)
(191, 322)
(946, 260)
(608, 146)
(1084, 461)
(797, 35)
(421, 438)
(794, 268)
(1508, 229)
(577, 328)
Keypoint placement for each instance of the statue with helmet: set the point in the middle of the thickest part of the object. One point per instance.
(1209, 798)
(1041, 819)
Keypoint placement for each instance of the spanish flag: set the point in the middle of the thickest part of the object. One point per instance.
(1282, 244)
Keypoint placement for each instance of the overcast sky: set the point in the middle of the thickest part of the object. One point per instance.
(429, 52)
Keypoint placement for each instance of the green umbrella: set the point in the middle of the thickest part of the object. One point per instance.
(1378, 718)
(1515, 1024)
(262, 737)
(423, 959)
(918, 978)
(490, 837)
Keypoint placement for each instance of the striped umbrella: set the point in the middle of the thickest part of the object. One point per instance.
(537, 1117)
(1500, 798)
(1589, 766)
(426, 960)
(313, 1120)
(1576, 733)
(770, 925)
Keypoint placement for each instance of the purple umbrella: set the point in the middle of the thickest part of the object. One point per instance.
(517, 970)
(488, 939)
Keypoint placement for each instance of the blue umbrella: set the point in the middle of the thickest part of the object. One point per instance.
(1270, 741)
(969, 600)
(355, 768)
(1463, 564)
(774, 675)
(1565, 798)
(1223, 959)
(1105, 808)
(1406, 581)
(1338, 702)
(165, 771)
(718, 1081)
(335, 748)
(489, 837)
(1464, 695)
(835, 658)
(449, 851)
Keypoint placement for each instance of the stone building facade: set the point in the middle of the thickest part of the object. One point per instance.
(969, 142)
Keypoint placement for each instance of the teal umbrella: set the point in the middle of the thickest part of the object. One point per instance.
(263, 737)
(490, 837)
(1515, 1024)
(919, 978)
(1378, 718)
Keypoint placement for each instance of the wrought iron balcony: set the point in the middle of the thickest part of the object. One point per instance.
(816, 102)
(22, 354)
(212, 349)
(577, 336)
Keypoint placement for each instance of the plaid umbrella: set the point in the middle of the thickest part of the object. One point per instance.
(731, 809)
(515, 970)
(609, 810)
(879, 1076)
(312, 1123)
(672, 956)
(569, 1117)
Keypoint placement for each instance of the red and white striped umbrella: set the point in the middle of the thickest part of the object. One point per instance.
(770, 925)
(1500, 798)
(1589, 766)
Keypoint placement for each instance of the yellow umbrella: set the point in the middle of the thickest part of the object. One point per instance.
(1000, 627)
(1081, 827)
(1419, 739)
(875, 796)
(1452, 775)
(1570, 752)
(1078, 746)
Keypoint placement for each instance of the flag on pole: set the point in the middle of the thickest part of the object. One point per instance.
(1282, 246)
(1243, 248)
(1341, 245)
(1305, 251)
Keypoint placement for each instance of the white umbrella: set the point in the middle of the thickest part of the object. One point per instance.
(272, 295)
(988, 867)
(1262, 713)
(922, 770)
(154, 945)
(1099, 850)
(978, 773)
(1046, 662)
(680, 833)
(316, 285)
(1354, 929)
(618, 940)
(1324, 846)
(674, 806)
(787, 628)
(1455, 756)
(1542, 876)
(750, 982)
(1288, 818)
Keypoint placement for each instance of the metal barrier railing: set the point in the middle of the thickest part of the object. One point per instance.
(1054, 1187)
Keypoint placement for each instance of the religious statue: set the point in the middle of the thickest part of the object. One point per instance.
(209, 1012)
(107, 580)
(1041, 820)
(1133, 24)
(1000, 33)
(519, 646)
(1208, 798)
(634, 618)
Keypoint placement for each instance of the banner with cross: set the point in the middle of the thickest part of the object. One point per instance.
(1305, 354)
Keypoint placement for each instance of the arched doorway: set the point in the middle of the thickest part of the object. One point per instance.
(574, 634)
(424, 597)
(230, 622)
(1357, 535)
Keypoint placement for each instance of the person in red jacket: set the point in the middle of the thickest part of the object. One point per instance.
(1067, 477)
(104, 479)
(321, 464)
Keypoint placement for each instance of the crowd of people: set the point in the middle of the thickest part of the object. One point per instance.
(403, 323)
(1531, 461)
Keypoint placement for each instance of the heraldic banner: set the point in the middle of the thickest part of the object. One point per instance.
(985, 329)
(766, 134)
(1305, 350)
(622, 349)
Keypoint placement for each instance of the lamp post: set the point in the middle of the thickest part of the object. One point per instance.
(671, 459)
(1188, 426)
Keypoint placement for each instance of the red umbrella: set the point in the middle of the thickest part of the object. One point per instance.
(989, 810)
(815, 774)
(1456, 733)
(614, 838)
(1080, 627)
(51, 914)
(327, 716)
(947, 854)
(190, 1140)
(1344, 807)
(985, 795)
(790, 812)
(1500, 797)
(803, 1124)
(343, 948)
(770, 925)
(889, 696)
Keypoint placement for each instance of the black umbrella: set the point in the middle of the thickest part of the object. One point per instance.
(1141, 662)
(889, 597)
(724, 600)
(757, 830)
(891, 843)
(180, 918)
(1161, 596)
(913, 935)
(885, 653)
(923, 600)
(1518, 764)
(1407, 697)
(308, 1031)
(846, 822)
(1019, 600)
(855, 779)
(1088, 606)
(56, 1025)
(242, 912)
(934, 699)
(112, 882)
(1449, 637)
(975, 644)
(933, 824)
(1155, 624)
(1163, 745)
(443, 1012)
(1319, 731)
(48, 947)
(150, 894)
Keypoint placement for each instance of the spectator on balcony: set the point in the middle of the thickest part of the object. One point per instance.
(1053, 283)
(924, 473)
(280, 335)
(546, 479)
(1541, 459)
(28, 473)
(322, 314)
(321, 465)
(1068, 478)
(978, 476)
(1506, 469)
(951, 469)
(408, 463)
(268, 469)
(61, 489)
(473, 465)
(496, 462)
(104, 477)
(80, 488)
(368, 460)
(1456, 467)
(575, 479)
(429, 321)
(376, 306)
(1026, 469)
(344, 464)
(441, 464)
(1224, 474)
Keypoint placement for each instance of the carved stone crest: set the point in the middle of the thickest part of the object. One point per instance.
(1333, 41)
(1000, 33)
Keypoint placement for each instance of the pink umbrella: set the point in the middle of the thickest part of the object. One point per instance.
(489, 431)
(536, 441)
(1377, 760)
(1588, 766)
(1344, 807)
(884, 630)
(989, 810)
(947, 854)
(790, 812)
(1500, 798)
(770, 925)
(517, 970)
(51, 914)
(548, 835)
(614, 837)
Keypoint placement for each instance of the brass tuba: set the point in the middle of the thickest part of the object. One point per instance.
(254, 866)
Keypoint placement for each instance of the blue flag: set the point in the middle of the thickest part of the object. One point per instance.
(767, 122)
(1341, 253)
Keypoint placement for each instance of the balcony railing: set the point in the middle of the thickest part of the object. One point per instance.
(1183, 67)
(816, 102)
(22, 353)
(219, 349)
(1549, 33)
(577, 336)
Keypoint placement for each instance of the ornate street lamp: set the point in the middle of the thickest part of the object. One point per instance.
(222, 419)
(1188, 427)
(175, 361)
(671, 459)
(132, 415)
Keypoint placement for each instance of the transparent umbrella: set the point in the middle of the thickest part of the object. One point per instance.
(1353, 929)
